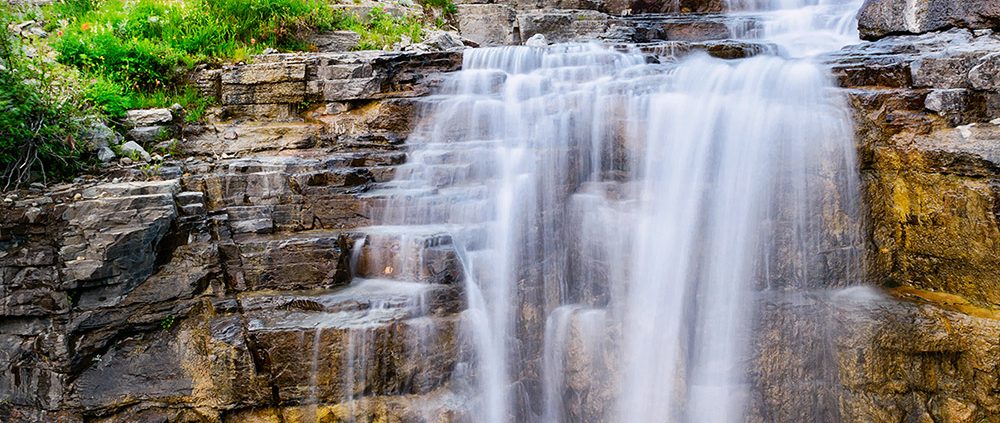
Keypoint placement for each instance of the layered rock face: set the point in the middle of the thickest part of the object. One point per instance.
(879, 18)
(926, 114)
(212, 289)
(246, 283)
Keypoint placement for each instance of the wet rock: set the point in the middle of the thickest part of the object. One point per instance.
(944, 70)
(537, 40)
(563, 26)
(860, 355)
(313, 261)
(691, 27)
(945, 101)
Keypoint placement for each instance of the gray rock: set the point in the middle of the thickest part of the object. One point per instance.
(986, 74)
(564, 26)
(335, 41)
(105, 154)
(132, 148)
(443, 41)
(98, 135)
(879, 18)
(537, 40)
(147, 134)
(487, 24)
(944, 70)
(947, 100)
(149, 117)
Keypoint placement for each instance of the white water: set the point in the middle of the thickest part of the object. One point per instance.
(617, 216)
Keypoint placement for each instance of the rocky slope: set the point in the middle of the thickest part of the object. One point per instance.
(212, 288)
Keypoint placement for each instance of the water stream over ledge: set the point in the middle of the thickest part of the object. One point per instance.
(617, 220)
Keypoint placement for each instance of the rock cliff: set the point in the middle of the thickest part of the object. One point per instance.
(212, 288)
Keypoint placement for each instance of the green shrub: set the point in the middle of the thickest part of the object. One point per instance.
(108, 97)
(138, 52)
(446, 6)
(381, 29)
(38, 119)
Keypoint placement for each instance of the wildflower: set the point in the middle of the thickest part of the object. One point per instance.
(85, 26)
(253, 41)
(59, 33)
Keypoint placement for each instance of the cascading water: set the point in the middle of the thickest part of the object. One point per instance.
(617, 219)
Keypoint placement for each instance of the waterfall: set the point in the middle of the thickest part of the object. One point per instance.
(617, 217)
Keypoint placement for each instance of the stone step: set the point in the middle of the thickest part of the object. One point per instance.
(440, 405)
(363, 303)
(434, 195)
(128, 189)
(292, 260)
(420, 206)
(328, 161)
(702, 27)
(423, 254)
(375, 337)
(448, 175)
(434, 156)
(722, 49)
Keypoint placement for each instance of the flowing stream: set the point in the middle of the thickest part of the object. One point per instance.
(618, 219)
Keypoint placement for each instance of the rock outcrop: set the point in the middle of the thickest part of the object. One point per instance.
(929, 154)
(193, 291)
(879, 18)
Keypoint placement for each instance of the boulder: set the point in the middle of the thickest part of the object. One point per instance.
(564, 26)
(487, 24)
(442, 41)
(879, 18)
(149, 117)
(105, 154)
(985, 75)
(98, 135)
(147, 134)
(133, 148)
(335, 41)
(537, 40)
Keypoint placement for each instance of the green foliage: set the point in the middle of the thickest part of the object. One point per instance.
(138, 52)
(193, 102)
(38, 116)
(167, 322)
(446, 6)
(380, 30)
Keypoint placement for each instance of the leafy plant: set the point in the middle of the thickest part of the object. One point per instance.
(381, 30)
(38, 118)
(448, 7)
(167, 322)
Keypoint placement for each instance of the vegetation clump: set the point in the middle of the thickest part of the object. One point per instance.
(40, 116)
(101, 58)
